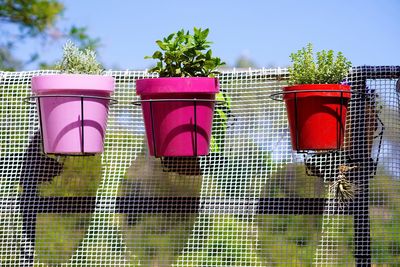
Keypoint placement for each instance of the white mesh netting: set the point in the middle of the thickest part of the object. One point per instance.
(252, 202)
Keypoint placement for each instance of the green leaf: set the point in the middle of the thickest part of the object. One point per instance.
(157, 55)
(204, 33)
(161, 44)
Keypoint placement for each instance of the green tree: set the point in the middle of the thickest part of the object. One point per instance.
(244, 61)
(34, 19)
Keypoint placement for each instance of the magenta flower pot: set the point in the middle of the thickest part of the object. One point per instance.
(178, 114)
(73, 111)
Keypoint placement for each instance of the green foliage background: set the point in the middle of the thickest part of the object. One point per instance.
(35, 19)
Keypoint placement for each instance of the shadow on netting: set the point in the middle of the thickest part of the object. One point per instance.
(31, 168)
(166, 180)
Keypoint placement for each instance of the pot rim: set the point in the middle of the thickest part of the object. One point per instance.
(316, 90)
(72, 83)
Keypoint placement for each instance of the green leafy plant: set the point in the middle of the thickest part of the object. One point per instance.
(326, 68)
(186, 55)
(79, 61)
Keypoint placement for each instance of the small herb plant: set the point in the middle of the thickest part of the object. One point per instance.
(77, 61)
(186, 55)
(326, 68)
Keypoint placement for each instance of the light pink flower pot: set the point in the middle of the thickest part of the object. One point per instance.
(178, 128)
(73, 123)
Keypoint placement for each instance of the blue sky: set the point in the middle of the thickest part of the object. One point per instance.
(366, 31)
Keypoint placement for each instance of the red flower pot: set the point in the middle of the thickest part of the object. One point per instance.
(317, 115)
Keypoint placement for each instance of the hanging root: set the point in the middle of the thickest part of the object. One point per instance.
(341, 188)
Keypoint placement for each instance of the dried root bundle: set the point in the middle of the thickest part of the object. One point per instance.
(342, 189)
